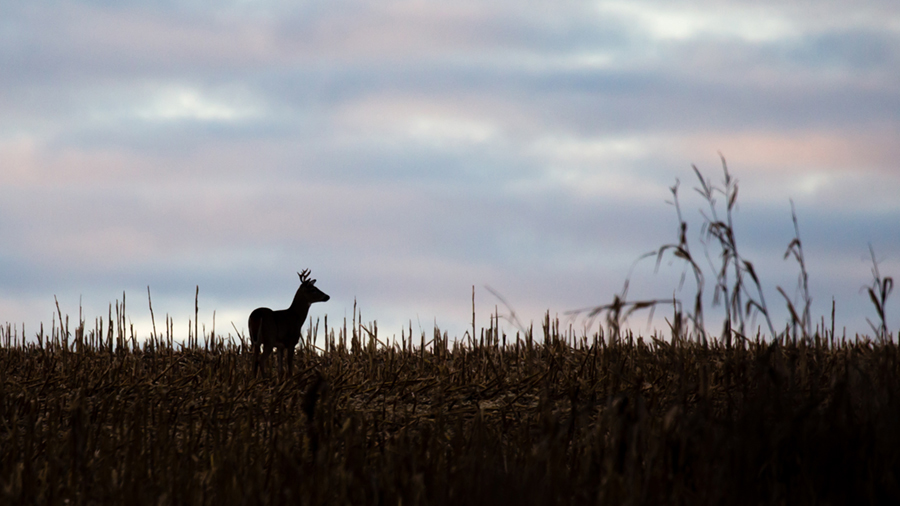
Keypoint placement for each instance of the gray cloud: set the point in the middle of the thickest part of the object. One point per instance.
(407, 152)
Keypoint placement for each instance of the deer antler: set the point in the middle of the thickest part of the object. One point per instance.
(304, 277)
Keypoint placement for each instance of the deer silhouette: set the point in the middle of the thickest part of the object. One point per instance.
(281, 329)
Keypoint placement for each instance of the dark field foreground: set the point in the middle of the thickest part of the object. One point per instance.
(572, 421)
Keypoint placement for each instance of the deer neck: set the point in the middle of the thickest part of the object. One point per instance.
(300, 306)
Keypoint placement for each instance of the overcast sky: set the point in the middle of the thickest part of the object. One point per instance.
(408, 151)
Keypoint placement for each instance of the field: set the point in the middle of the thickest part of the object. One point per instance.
(563, 419)
(547, 416)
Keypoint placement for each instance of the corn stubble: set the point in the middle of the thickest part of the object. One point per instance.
(562, 420)
(801, 417)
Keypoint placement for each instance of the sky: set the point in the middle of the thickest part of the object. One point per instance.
(408, 152)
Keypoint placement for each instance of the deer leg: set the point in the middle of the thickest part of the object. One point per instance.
(265, 356)
(255, 359)
(290, 360)
(281, 352)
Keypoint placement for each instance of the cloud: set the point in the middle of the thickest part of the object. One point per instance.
(406, 151)
(665, 22)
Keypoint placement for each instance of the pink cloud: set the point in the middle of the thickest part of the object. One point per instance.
(805, 150)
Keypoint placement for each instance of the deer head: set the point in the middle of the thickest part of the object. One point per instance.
(308, 293)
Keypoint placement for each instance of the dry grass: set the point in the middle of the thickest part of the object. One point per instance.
(564, 420)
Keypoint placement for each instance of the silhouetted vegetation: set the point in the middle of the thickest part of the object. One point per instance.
(560, 420)
(96, 416)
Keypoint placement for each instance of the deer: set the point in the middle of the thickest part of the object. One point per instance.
(281, 329)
